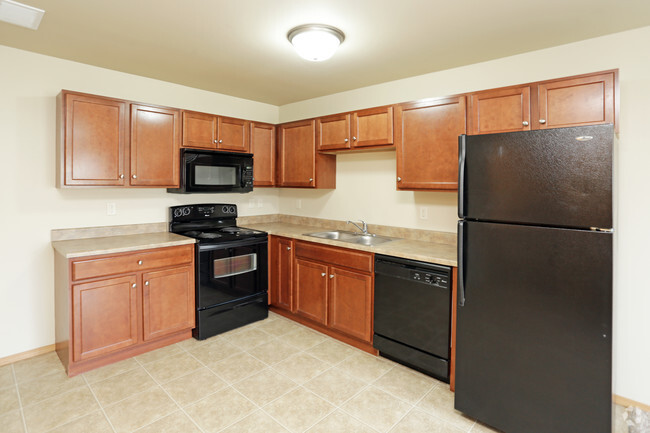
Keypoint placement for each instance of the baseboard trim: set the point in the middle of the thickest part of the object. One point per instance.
(25, 355)
(623, 401)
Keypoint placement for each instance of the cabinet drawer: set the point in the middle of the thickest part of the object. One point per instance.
(352, 259)
(116, 264)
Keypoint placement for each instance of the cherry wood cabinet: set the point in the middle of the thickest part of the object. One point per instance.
(299, 165)
(207, 131)
(588, 99)
(499, 110)
(426, 136)
(311, 290)
(110, 307)
(361, 129)
(332, 288)
(93, 140)
(99, 146)
(263, 149)
(281, 272)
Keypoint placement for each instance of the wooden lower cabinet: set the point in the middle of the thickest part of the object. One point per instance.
(331, 290)
(111, 307)
(311, 290)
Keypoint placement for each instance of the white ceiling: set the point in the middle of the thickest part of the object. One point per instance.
(239, 47)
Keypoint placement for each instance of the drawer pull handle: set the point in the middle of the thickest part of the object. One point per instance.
(542, 121)
(525, 123)
(139, 262)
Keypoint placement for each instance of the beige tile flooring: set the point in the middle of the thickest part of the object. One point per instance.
(272, 376)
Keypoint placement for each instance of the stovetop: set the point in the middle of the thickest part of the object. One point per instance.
(210, 223)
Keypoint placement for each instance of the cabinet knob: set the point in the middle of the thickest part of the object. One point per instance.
(354, 138)
(525, 123)
(139, 262)
(331, 275)
(346, 140)
(322, 274)
(134, 285)
(288, 248)
(146, 283)
(134, 176)
(311, 179)
(542, 121)
(216, 141)
(121, 176)
(399, 179)
(220, 141)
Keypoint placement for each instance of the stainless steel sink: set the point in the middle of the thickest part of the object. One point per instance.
(351, 237)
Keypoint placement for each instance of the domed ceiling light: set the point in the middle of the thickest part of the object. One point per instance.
(315, 42)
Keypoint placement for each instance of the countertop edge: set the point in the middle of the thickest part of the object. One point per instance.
(75, 248)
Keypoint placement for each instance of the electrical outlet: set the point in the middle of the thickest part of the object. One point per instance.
(298, 204)
(251, 203)
(111, 209)
(260, 202)
(424, 213)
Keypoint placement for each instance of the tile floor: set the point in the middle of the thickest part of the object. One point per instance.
(268, 377)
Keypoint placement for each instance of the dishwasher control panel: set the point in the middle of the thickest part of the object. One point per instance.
(430, 278)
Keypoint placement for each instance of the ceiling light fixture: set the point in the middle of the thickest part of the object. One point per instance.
(315, 42)
(21, 15)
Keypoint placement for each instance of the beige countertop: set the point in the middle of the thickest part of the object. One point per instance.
(443, 253)
(118, 244)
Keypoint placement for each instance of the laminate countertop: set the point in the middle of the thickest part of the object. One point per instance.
(72, 248)
(442, 253)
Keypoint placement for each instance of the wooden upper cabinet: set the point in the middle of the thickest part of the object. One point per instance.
(426, 136)
(104, 316)
(361, 129)
(587, 100)
(499, 110)
(155, 144)
(333, 132)
(372, 127)
(299, 165)
(93, 140)
(199, 130)
(263, 150)
(207, 131)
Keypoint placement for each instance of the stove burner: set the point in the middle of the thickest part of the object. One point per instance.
(209, 235)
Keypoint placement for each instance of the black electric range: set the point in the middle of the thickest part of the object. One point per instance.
(231, 273)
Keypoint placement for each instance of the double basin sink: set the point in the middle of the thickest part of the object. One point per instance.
(352, 238)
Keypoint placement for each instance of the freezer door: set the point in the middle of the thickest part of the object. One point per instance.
(533, 351)
(556, 177)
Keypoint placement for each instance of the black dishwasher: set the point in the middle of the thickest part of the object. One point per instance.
(412, 314)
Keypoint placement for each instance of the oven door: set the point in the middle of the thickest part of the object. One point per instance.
(230, 272)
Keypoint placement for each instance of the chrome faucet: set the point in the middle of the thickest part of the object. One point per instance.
(364, 229)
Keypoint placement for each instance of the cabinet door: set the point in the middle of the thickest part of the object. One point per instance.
(427, 143)
(281, 272)
(311, 290)
(333, 132)
(372, 127)
(350, 303)
(199, 130)
(233, 135)
(500, 110)
(296, 153)
(167, 301)
(155, 143)
(104, 316)
(263, 150)
(575, 102)
(94, 137)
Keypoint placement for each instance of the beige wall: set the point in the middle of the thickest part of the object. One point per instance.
(29, 84)
(30, 205)
(366, 182)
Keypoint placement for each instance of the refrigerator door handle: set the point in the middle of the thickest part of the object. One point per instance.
(461, 175)
(461, 265)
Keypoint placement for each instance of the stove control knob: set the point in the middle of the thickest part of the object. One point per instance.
(224, 209)
(231, 209)
(178, 212)
(186, 211)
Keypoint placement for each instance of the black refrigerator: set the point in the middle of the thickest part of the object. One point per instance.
(534, 323)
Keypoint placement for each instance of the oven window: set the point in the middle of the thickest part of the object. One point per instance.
(215, 175)
(236, 265)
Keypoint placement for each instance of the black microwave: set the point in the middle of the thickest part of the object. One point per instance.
(209, 171)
